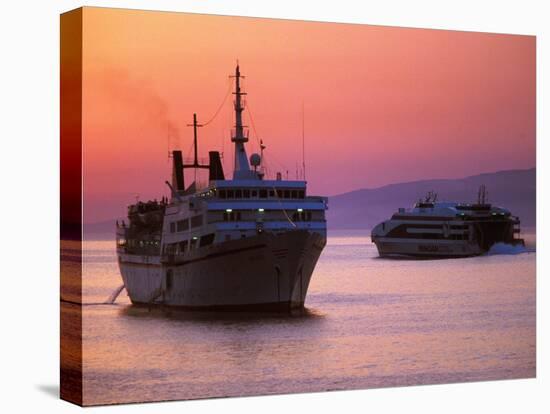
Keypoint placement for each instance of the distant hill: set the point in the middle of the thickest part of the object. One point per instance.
(363, 209)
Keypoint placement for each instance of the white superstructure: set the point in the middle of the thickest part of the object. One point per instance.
(445, 229)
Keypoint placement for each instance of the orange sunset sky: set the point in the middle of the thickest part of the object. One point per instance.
(382, 104)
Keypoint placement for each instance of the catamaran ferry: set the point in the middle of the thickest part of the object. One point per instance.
(435, 229)
(240, 242)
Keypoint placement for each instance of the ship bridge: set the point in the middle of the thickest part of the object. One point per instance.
(261, 204)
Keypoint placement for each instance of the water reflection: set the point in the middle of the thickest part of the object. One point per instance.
(368, 323)
(295, 316)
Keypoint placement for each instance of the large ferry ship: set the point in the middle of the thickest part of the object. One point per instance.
(434, 229)
(240, 242)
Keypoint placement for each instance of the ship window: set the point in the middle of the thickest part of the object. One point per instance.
(193, 243)
(301, 194)
(238, 194)
(182, 225)
(308, 216)
(238, 216)
(286, 194)
(230, 194)
(222, 194)
(271, 193)
(294, 195)
(246, 193)
(254, 193)
(196, 221)
(207, 240)
(172, 227)
(263, 193)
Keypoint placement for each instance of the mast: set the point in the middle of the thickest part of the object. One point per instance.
(303, 144)
(482, 194)
(178, 186)
(195, 125)
(239, 137)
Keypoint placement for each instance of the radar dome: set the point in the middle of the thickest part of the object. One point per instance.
(255, 160)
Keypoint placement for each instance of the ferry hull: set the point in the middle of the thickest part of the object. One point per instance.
(392, 247)
(268, 271)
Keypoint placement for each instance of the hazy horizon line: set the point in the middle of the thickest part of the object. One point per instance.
(369, 188)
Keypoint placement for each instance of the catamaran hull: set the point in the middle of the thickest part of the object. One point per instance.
(268, 271)
(393, 247)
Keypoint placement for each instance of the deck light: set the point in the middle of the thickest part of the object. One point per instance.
(300, 210)
(228, 210)
(261, 210)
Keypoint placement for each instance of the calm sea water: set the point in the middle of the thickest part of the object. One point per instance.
(369, 322)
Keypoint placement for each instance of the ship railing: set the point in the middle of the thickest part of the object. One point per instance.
(168, 258)
(317, 199)
(143, 250)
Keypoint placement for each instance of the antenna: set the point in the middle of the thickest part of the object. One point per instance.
(482, 194)
(168, 146)
(262, 148)
(303, 143)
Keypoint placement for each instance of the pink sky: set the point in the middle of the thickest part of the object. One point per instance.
(382, 104)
